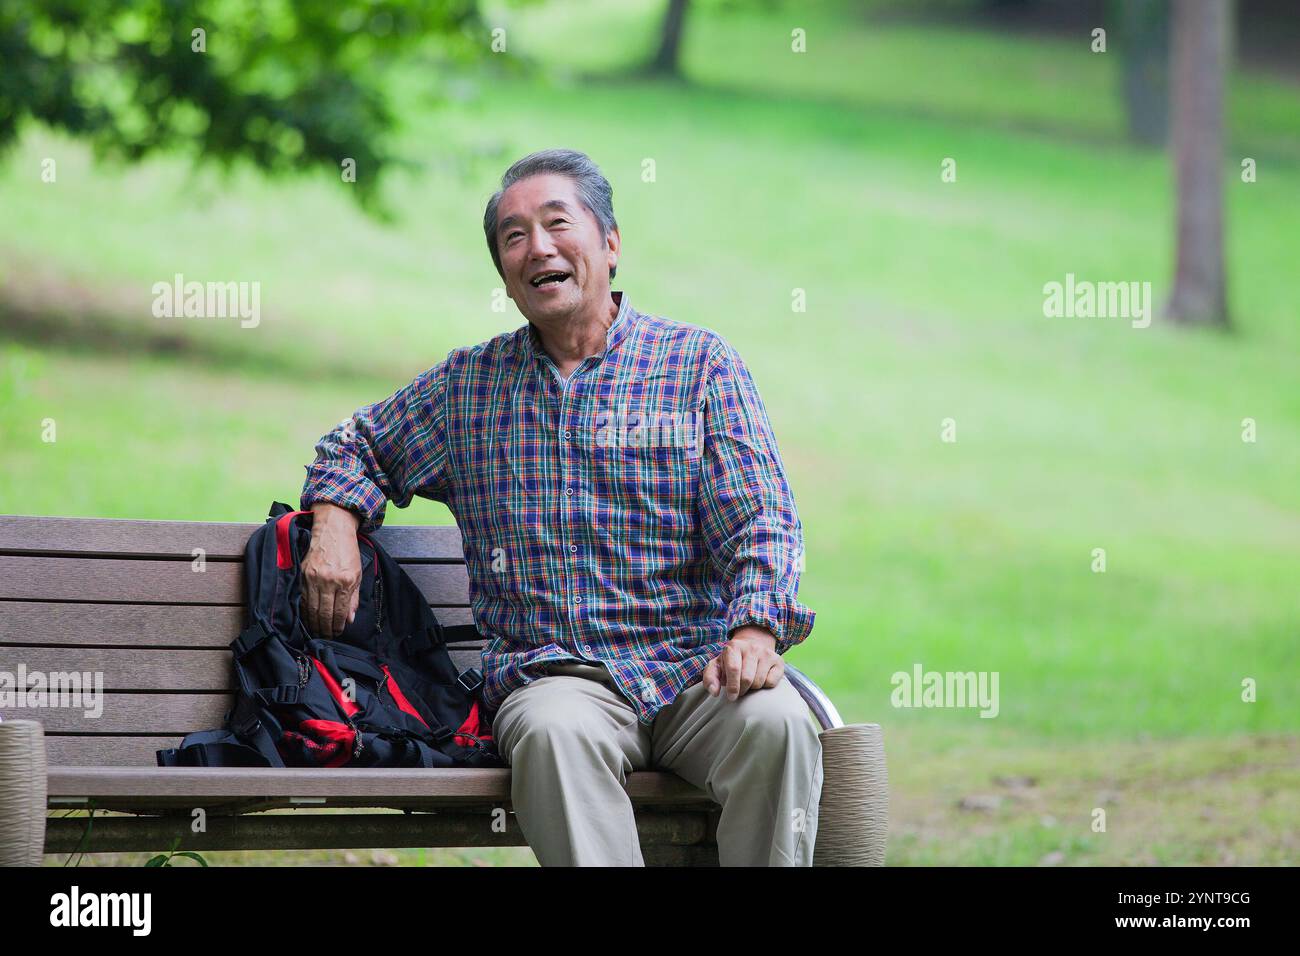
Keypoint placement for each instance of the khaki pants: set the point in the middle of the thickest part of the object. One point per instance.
(571, 739)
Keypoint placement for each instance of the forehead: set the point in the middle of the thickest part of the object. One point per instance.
(536, 194)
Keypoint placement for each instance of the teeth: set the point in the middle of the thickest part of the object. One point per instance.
(541, 280)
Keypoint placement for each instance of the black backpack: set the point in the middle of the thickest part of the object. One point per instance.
(384, 694)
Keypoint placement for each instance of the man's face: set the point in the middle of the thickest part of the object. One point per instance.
(544, 228)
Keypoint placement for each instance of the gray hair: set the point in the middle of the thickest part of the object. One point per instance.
(593, 189)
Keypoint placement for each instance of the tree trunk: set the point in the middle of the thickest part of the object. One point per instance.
(1196, 82)
(665, 61)
(1144, 45)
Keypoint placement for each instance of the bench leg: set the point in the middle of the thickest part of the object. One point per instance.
(853, 815)
(22, 792)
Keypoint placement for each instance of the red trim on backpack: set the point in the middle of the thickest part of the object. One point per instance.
(473, 726)
(347, 706)
(373, 551)
(400, 698)
(339, 741)
(284, 553)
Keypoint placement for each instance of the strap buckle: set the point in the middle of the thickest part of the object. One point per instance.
(284, 694)
(249, 640)
(470, 681)
(247, 726)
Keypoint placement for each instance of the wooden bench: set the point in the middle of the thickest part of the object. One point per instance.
(153, 606)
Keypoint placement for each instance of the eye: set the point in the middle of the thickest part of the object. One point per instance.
(554, 221)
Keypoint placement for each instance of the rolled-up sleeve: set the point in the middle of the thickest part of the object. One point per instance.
(747, 512)
(392, 451)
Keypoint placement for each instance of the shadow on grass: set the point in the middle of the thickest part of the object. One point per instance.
(43, 311)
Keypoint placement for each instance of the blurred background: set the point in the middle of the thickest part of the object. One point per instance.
(920, 171)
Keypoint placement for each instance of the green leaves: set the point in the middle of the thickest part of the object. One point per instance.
(164, 859)
(287, 86)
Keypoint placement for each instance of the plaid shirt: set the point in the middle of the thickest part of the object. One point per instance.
(632, 515)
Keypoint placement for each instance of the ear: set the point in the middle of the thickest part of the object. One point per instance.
(613, 244)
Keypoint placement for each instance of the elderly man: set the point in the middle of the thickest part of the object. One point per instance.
(632, 543)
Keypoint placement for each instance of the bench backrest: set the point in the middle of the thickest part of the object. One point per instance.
(153, 607)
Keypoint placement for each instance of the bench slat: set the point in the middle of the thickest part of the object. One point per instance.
(131, 669)
(128, 668)
(197, 783)
(27, 578)
(106, 579)
(53, 623)
(130, 538)
(160, 714)
(97, 751)
(161, 625)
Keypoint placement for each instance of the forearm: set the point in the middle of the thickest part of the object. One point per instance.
(750, 523)
(388, 451)
(327, 515)
(761, 575)
(345, 478)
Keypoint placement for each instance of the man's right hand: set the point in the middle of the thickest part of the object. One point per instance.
(331, 571)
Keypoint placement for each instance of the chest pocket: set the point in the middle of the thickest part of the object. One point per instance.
(645, 469)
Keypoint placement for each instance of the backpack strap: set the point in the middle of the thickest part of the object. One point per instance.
(250, 639)
(268, 552)
(215, 748)
(460, 634)
(282, 695)
(260, 730)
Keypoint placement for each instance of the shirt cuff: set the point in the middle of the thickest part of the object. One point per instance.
(347, 490)
(788, 620)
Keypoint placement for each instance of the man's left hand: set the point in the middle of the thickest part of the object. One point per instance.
(748, 661)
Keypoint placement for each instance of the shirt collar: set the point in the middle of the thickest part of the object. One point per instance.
(617, 331)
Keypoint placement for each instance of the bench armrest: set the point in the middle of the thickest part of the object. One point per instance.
(816, 699)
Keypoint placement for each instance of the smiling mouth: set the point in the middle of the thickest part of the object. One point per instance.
(547, 279)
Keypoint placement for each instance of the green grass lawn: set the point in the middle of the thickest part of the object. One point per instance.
(773, 172)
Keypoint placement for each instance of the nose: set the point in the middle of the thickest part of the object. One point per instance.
(540, 244)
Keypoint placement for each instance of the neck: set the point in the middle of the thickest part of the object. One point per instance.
(571, 338)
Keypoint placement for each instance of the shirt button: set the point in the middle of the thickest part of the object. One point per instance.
(567, 435)
(573, 547)
(568, 491)
(577, 600)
